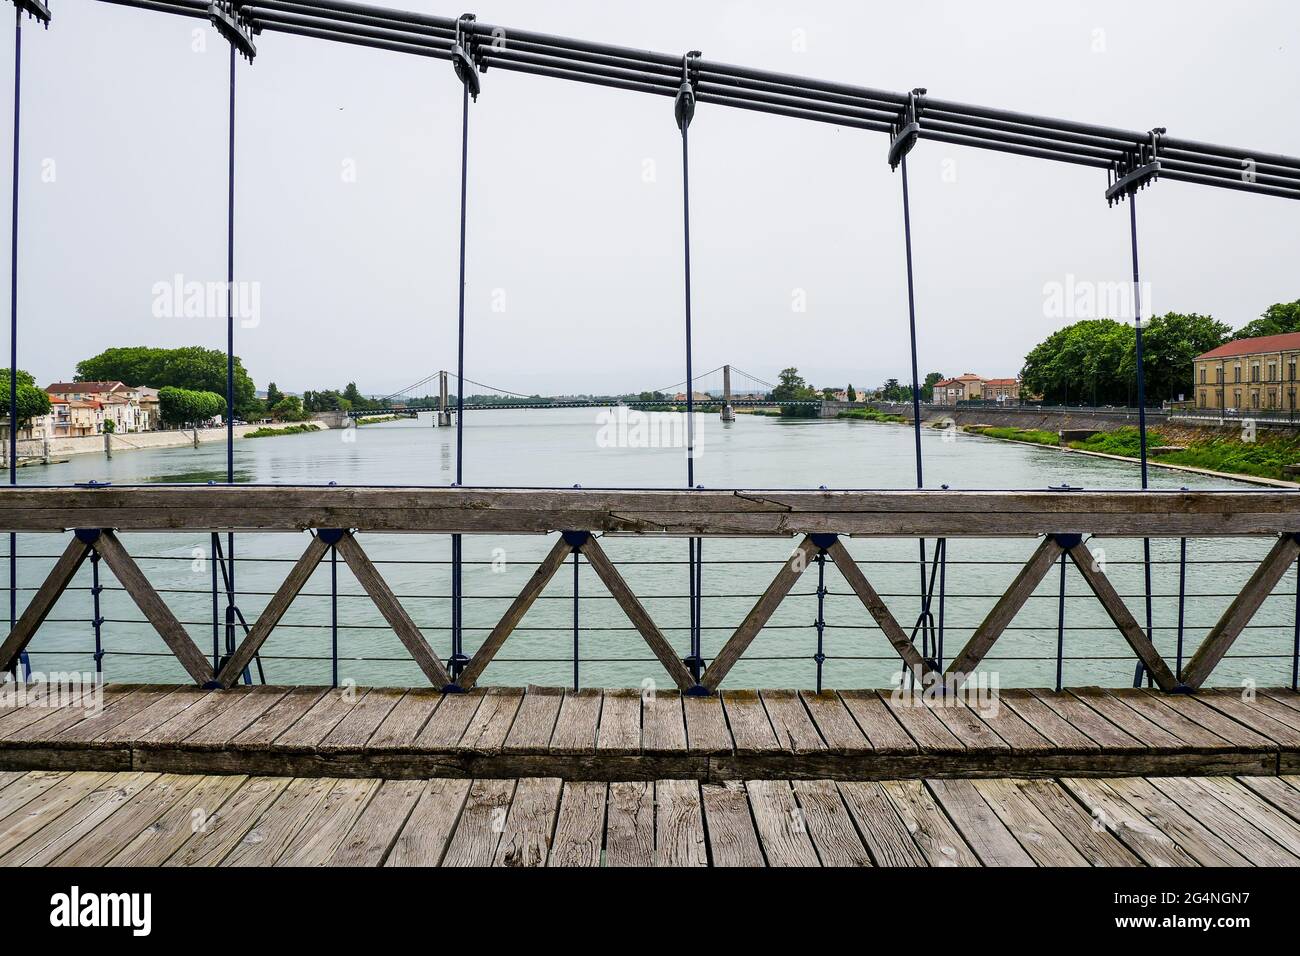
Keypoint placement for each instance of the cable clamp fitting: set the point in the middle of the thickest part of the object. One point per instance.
(684, 102)
(465, 58)
(35, 9)
(908, 128)
(1138, 169)
(234, 26)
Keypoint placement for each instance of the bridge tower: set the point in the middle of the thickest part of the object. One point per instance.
(728, 413)
(443, 417)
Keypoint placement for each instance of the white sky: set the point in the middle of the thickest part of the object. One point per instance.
(357, 280)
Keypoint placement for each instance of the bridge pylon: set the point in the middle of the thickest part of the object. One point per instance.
(443, 416)
(728, 413)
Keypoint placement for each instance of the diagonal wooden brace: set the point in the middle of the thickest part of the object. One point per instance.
(1002, 613)
(515, 612)
(881, 614)
(405, 629)
(1119, 613)
(636, 613)
(1241, 610)
(43, 601)
(298, 576)
(759, 614)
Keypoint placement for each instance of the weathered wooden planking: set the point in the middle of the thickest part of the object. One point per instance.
(360, 723)
(782, 828)
(1097, 844)
(620, 723)
(1121, 818)
(448, 510)
(886, 836)
(732, 840)
(1253, 808)
(20, 823)
(423, 839)
(751, 728)
(99, 843)
(403, 723)
(830, 824)
(526, 837)
(487, 730)
(630, 826)
(1198, 840)
(983, 831)
(578, 722)
(1226, 823)
(1087, 721)
(77, 821)
(706, 726)
(834, 722)
(447, 725)
(534, 723)
(921, 723)
(214, 833)
(160, 839)
(1041, 840)
(274, 721)
(928, 825)
(243, 706)
(482, 820)
(314, 845)
(271, 834)
(372, 835)
(1059, 732)
(1278, 792)
(1173, 722)
(315, 725)
(679, 824)
(663, 722)
(791, 723)
(580, 825)
(1128, 720)
(883, 731)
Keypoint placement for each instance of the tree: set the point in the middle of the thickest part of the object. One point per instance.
(792, 387)
(273, 395)
(1277, 319)
(288, 409)
(191, 368)
(33, 402)
(893, 391)
(927, 389)
(852, 393)
(182, 406)
(1169, 344)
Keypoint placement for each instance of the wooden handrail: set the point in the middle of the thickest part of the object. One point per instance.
(939, 513)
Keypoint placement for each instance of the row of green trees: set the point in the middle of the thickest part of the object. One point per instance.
(33, 402)
(1094, 361)
(183, 406)
(191, 368)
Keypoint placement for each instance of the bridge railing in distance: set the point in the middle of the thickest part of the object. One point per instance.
(597, 526)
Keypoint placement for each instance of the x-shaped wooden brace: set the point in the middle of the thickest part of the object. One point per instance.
(368, 576)
(780, 587)
(1013, 599)
(587, 545)
(106, 544)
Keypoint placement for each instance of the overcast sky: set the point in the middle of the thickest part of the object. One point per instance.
(357, 279)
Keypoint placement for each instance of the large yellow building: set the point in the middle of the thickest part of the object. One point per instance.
(1249, 375)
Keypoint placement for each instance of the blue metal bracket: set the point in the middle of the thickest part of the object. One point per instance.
(575, 539)
(464, 56)
(92, 484)
(454, 688)
(230, 23)
(1137, 171)
(823, 541)
(35, 9)
(684, 101)
(330, 536)
(699, 690)
(87, 535)
(1067, 541)
(908, 129)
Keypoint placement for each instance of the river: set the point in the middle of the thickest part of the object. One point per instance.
(566, 447)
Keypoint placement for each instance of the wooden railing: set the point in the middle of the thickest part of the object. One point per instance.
(94, 516)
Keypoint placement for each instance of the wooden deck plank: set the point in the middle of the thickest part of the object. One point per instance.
(663, 722)
(1253, 714)
(886, 836)
(423, 839)
(921, 723)
(1152, 708)
(1218, 723)
(244, 705)
(883, 731)
(1128, 719)
(153, 845)
(983, 831)
(447, 725)
(54, 722)
(530, 824)
(679, 824)
(273, 831)
(834, 722)
(829, 824)
(751, 728)
(330, 825)
(1255, 809)
(1012, 728)
(579, 720)
(48, 805)
(1280, 794)
(1044, 843)
(375, 830)
(793, 727)
(315, 725)
(706, 725)
(1187, 831)
(534, 724)
(620, 723)
(274, 721)
(1062, 734)
(1211, 811)
(630, 826)
(1097, 844)
(580, 825)
(928, 825)
(732, 840)
(215, 834)
(62, 833)
(1109, 809)
(196, 715)
(96, 847)
(403, 723)
(487, 730)
(360, 723)
(482, 820)
(782, 828)
(963, 723)
(1087, 721)
(27, 788)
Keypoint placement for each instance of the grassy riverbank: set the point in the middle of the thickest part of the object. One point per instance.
(287, 430)
(870, 414)
(379, 419)
(1035, 436)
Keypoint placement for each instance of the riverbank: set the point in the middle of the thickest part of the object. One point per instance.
(1260, 462)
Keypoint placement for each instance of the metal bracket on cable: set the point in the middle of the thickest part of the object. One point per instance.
(908, 128)
(231, 23)
(35, 9)
(465, 57)
(1137, 170)
(684, 101)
